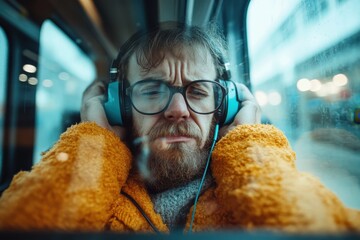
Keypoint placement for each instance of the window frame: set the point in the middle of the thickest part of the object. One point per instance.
(18, 121)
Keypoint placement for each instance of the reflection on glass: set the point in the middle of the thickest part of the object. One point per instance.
(64, 73)
(309, 53)
(3, 68)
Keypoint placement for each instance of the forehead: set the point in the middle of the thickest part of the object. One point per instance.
(188, 62)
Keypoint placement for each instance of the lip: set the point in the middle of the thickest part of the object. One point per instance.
(177, 139)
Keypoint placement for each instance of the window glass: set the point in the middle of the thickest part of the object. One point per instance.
(3, 71)
(305, 72)
(64, 73)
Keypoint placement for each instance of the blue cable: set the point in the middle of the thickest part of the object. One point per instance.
(216, 132)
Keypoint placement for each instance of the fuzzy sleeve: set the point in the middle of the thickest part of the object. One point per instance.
(259, 186)
(72, 187)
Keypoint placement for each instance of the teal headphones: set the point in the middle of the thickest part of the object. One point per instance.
(118, 105)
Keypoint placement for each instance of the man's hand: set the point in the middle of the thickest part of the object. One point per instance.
(249, 113)
(92, 108)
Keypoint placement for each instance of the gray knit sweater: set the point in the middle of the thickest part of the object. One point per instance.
(174, 204)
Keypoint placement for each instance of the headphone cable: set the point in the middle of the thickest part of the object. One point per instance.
(152, 225)
(216, 132)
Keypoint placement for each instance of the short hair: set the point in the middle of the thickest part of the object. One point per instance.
(149, 45)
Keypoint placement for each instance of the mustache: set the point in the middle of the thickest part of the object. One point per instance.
(166, 129)
(161, 130)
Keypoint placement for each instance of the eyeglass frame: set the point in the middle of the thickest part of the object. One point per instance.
(173, 90)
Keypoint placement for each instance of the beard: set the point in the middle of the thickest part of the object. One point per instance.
(175, 164)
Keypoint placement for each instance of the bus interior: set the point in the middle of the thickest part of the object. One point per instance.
(300, 59)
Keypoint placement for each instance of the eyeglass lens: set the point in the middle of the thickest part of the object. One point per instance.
(153, 96)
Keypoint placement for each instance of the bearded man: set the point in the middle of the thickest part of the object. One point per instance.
(140, 163)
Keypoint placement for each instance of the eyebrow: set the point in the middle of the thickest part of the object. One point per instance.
(185, 81)
(167, 82)
(152, 78)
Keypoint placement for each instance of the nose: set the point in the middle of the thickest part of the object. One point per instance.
(177, 109)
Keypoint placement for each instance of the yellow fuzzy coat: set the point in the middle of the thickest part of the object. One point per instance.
(77, 184)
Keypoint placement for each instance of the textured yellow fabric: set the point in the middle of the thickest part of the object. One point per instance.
(73, 186)
(127, 213)
(77, 186)
(258, 186)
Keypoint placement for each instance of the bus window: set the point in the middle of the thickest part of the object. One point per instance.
(305, 69)
(3, 68)
(64, 73)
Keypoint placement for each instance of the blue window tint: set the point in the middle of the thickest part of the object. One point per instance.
(64, 73)
(305, 70)
(3, 70)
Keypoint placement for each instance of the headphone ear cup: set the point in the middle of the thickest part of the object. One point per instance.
(222, 111)
(230, 106)
(125, 105)
(112, 106)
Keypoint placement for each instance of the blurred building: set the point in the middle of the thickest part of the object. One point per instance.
(307, 70)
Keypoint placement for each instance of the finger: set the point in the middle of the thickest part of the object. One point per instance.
(249, 113)
(93, 110)
(244, 93)
(97, 88)
(91, 105)
(96, 113)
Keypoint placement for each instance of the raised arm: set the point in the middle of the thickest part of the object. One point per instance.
(259, 186)
(72, 187)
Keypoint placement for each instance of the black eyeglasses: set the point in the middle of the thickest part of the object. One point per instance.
(153, 96)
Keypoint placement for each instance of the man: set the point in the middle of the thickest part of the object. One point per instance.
(179, 138)
(90, 181)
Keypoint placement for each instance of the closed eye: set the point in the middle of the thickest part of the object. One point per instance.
(197, 92)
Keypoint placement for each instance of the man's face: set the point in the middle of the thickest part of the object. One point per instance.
(179, 138)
